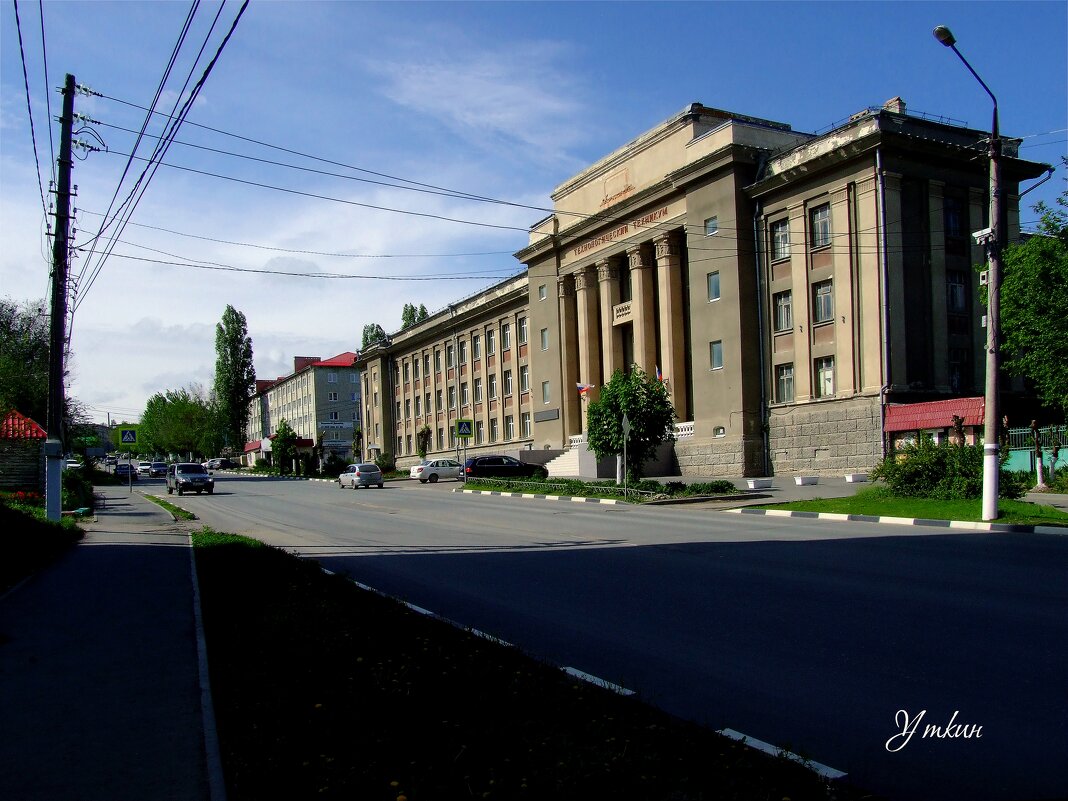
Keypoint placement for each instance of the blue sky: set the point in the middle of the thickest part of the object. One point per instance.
(499, 100)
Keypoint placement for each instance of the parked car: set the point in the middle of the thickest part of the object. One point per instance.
(71, 464)
(433, 469)
(110, 460)
(189, 477)
(157, 470)
(144, 468)
(502, 467)
(361, 475)
(125, 471)
(220, 463)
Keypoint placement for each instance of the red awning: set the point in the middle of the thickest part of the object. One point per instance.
(934, 414)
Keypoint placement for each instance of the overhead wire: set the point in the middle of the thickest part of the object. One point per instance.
(29, 112)
(48, 92)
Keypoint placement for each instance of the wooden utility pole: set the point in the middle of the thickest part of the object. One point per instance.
(58, 335)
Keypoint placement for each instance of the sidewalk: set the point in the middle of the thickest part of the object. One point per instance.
(100, 688)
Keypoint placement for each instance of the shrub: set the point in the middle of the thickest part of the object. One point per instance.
(946, 471)
(386, 463)
(77, 491)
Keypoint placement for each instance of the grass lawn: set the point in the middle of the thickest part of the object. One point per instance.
(29, 542)
(177, 511)
(323, 690)
(878, 501)
(640, 492)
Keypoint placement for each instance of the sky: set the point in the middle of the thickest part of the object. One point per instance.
(315, 183)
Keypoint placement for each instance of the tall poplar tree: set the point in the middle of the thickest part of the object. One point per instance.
(235, 377)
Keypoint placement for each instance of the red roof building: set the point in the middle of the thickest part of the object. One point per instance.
(19, 426)
(934, 414)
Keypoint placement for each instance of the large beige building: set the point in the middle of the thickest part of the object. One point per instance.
(787, 286)
(320, 397)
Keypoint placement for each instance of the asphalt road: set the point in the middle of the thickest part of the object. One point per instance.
(829, 639)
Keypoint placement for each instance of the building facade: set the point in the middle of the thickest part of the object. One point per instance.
(785, 285)
(321, 397)
(470, 361)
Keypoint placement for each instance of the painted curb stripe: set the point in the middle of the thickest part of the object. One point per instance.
(996, 528)
(576, 499)
(767, 748)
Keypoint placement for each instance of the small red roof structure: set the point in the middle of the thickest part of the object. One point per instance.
(346, 359)
(934, 414)
(19, 426)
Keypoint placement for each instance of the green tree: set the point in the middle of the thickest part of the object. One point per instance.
(284, 447)
(24, 345)
(235, 377)
(408, 315)
(179, 421)
(422, 314)
(1034, 306)
(645, 402)
(372, 333)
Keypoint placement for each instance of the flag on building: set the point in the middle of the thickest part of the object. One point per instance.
(659, 377)
(584, 389)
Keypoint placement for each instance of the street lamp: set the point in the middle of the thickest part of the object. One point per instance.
(991, 237)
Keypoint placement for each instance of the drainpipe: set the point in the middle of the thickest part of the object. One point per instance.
(884, 305)
(758, 266)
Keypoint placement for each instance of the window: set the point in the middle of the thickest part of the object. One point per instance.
(331, 396)
(784, 310)
(450, 359)
(415, 368)
(543, 293)
(437, 361)
(958, 363)
(452, 397)
(713, 286)
(478, 390)
(426, 403)
(426, 365)
(378, 431)
(711, 226)
(492, 386)
(506, 336)
(784, 383)
(546, 396)
(820, 225)
(480, 432)
(780, 240)
(522, 330)
(545, 339)
(418, 406)
(354, 378)
(491, 341)
(441, 439)
(524, 379)
(507, 383)
(437, 400)
(715, 355)
(825, 377)
(398, 410)
(400, 443)
(719, 431)
(331, 378)
(952, 217)
(509, 428)
(524, 423)
(494, 433)
(463, 351)
(465, 395)
(822, 302)
(334, 416)
(956, 299)
(353, 397)
(407, 408)
(408, 439)
(476, 346)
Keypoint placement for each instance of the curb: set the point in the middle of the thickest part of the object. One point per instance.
(539, 496)
(962, 525)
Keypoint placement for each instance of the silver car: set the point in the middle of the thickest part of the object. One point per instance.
(361, 475)
(433, 469)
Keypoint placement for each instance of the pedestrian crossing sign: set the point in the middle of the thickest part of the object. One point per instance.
(128, 435)
(464, 429)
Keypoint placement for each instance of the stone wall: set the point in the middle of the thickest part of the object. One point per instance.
(827, 438)
(720, 457)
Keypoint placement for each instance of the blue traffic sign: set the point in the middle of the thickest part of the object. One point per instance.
(128, 435)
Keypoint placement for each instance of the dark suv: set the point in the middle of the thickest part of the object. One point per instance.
(189, 477)
(502, 467)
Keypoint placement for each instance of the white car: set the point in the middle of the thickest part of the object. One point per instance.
(144, 468)
(433, 469)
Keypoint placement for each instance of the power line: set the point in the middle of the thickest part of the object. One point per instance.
(29, 112)
(48, 92)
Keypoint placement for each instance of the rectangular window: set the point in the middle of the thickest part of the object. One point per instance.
(415, 368)
(820, 225)
(524, 423)
(822, 302)
(437, 400)
(465, 395)
(713, 285)
(491, 341)
(450, 359)
(545, 339)
(956, 297)
(546, 396)
(715, 354)
(507, 383)
(543, 293)
(441, 439)
(418, 407)
(711, 226)
(407, 408)
(784, 383)
(506, 336)
(463, 351)
(478, 390)
(331, 396)
(522, 330)
(331, 378)
(452, 398)
(408, 439)
(354, 378)
(951, 214)
(437, 361)
(509, 428)
(524, 379)
(398, 410)
(480, 432)
(784, 310)
(426, 365)
(400, 443)
(476, 346)
(334, 416)
(494, 433)
(492, 389)
(824, 369)
(780, 240)
(426, 403)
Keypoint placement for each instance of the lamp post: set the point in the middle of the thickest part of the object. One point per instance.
(991, 237)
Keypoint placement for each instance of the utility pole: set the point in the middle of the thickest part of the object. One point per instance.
(57, 340)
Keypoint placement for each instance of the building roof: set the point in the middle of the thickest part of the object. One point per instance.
(934, 414)
(346, 359)
(19, 426)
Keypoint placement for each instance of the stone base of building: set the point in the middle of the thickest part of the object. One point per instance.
(831, 437)
(720, 457)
